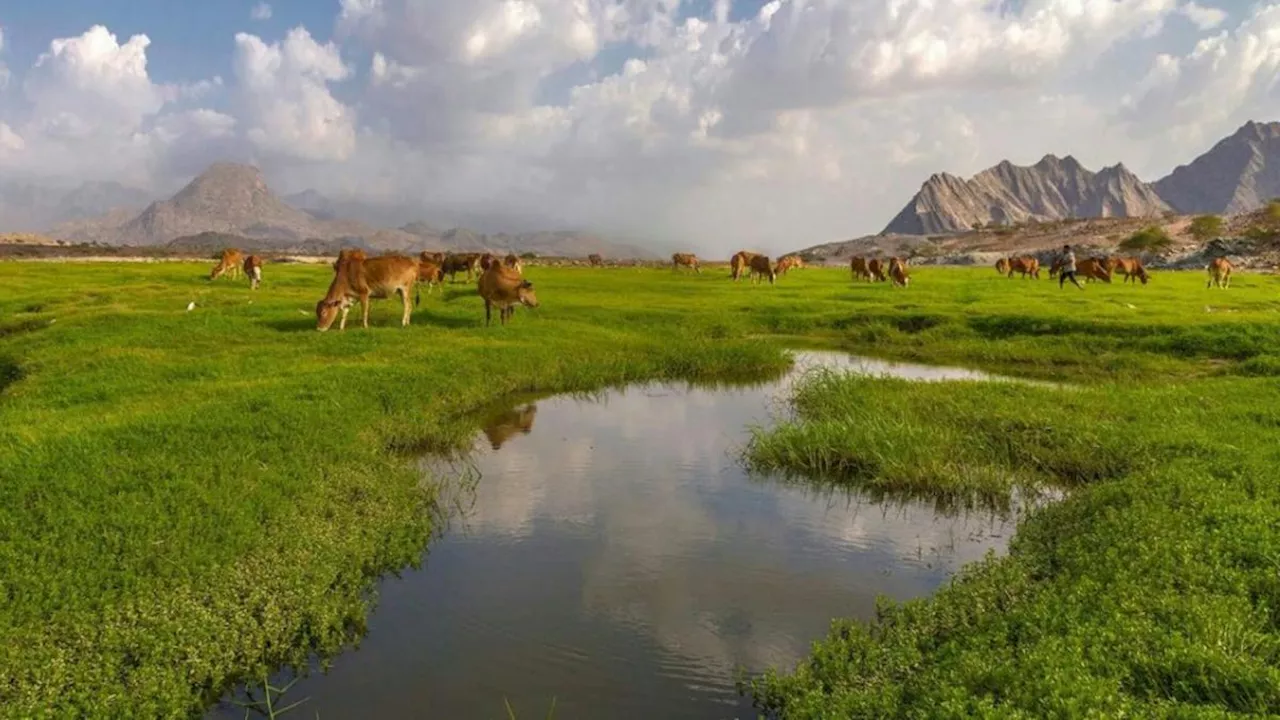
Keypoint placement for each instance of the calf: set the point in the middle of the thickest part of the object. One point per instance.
(358, 278)
(1219, 273)
(1131, 268)
(788, 262)
(506, 288)
(740, 262)
(253, 270)
(229, 264)
(760, 268)
(430, 271)
(1093, 269)
(898, 271)
(876, 269)
(858, 266)
(690, 260)
(1026, 265)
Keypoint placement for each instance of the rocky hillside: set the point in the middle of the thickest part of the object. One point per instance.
(1238, 174)
(1052, 189)
(32, 205)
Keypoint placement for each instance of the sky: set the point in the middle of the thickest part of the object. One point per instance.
(713, 124)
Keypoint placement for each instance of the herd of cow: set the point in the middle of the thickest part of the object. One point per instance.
(358, 278)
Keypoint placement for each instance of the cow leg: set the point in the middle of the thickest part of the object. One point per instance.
(404, 297)
(488, 312)
(342, 324)
(364, 307)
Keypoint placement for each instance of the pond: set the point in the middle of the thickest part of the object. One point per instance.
(614, 555)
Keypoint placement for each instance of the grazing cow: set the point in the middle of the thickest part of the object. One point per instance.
(253, 271)
(876, 268)
(229, 264)
(740, 263)
(898, 271)
(455, 263)
(513, 261)
(1131, 268)
(358, 279)
(1002, 266)
(430, 272)
(788, 262)
(760, 268)
(1110, 262)
(679, 260)
(858, 266)
(1219, 273)
(506, 288)
(1026, 265)
(506, 425)
(1093, 269)
(595, 259)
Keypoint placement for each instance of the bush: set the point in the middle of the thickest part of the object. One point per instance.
(1151, 239)
(1272, 212)
(1206, 227)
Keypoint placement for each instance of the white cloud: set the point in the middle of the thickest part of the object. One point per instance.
(1205, 18)
(285, 99)
(261, 11)
(806, 121)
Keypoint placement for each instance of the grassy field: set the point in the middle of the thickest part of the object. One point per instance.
(188, 499)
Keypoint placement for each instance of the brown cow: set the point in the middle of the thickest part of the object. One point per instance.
(1219, 273)
(358, 279)
(504, 426)
(506, 288)
(760, 268)
(229, 264)
(1026, 265)
(1055, 268)
(1130, 267)
(595, 259)
(788, 262)
(741, 261)
(455, 263)
(487, 260)
(253, 271)
(679, 260)
(898, 271)
(1002, 266)
(1093, 268)
(430, 271)
(876, 268)
(858, 266)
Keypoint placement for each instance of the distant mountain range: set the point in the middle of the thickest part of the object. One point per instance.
(1238, 174)
(231, 200)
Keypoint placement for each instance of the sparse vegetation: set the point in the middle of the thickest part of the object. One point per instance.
(1206, 227)
(1152, 238)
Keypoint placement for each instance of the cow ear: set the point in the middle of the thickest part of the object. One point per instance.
(526, 284)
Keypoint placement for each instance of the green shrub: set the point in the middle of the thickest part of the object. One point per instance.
(1152, 238)
(1206, 227)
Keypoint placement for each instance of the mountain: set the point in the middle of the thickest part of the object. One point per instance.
(231, 200)
(1238, 174)
(39, 204)
(1052, 189)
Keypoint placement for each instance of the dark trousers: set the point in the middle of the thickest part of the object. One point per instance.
(1068, 274)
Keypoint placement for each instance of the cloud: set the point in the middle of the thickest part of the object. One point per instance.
(779, 126)
(261, 11)
(1205, 18)
(4, 71)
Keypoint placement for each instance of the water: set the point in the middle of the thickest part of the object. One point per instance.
(614, 555)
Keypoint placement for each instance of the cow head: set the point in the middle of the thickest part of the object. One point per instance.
(327, 312)
(525, 292)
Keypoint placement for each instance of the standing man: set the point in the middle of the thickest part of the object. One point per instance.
(1068, 268)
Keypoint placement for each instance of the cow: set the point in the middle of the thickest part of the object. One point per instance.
(858, 266)
(788, 262)
(1131, 268)
(358, 279)
(595, 259)
(506, 425)
(1219, 273)
(898, 271)
(1002, 266)
(253, 271)
(1026, 265)
(430, 271)
(455, 263)
(506, 288)
(229, 263)
(876, 268)
(1093, 268)
(760, 268)
(740, 262)
(1055, 268)
(679, 260)
(1110, 262)
(487, 260)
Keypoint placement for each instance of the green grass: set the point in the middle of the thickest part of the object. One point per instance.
(190, 499)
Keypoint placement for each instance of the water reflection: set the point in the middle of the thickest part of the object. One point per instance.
(620, 560)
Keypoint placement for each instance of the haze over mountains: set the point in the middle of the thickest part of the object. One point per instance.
(1239, 173)
(231, 199)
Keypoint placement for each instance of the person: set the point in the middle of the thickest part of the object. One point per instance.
(1068, 268)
